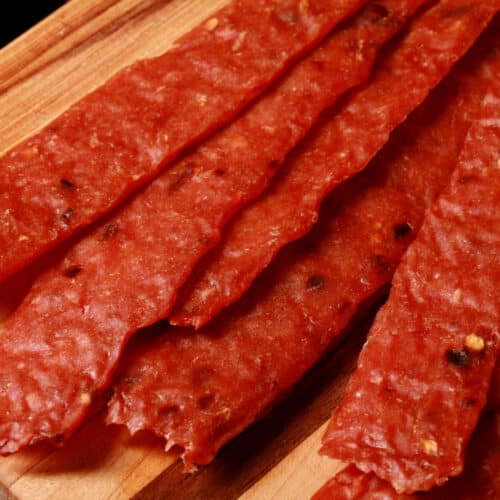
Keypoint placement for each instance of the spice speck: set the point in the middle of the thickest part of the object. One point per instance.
(459, 357)
(85, 398)
(315, 283)
(211, 24)
(474, 342)
(65, 183)
(66, 216)
(429, 446)
(457, 295)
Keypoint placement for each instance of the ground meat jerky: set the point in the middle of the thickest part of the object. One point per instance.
(423, 375)
(124, 274)
(120, 135)
(199, 389)
(341, 146)
(479, 480)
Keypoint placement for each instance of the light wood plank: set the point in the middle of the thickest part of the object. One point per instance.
(86, 44)
(299, 475)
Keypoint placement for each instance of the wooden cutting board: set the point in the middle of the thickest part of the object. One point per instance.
(41, 74)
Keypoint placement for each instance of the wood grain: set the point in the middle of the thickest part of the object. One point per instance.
(78, 48)
(42, 73)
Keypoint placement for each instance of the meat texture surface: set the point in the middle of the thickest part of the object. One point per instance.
(423, 375)
(341, 145)
(479, 480)
(124, 274)
(198, 389)
(118, 137)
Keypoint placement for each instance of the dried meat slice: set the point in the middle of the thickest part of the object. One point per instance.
(424, 372)
(198, 389)
(118, 137)
(352, 484)
(144, 252)
(342, 145)
(479, 480)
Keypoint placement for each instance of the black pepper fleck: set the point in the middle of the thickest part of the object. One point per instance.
(315, 283)
(381, 262)
(219, 172)
(379, 11)
(459, 357)
(181, 179)
(109, 231)
(67, 184)
(72, 271)
(402, 230)
(58, 439)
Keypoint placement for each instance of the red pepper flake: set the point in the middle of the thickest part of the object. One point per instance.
(66, 216)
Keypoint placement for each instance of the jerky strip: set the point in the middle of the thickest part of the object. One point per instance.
(125, 274)
(119, 136)
(479, 480)
(423, 375)
(342, 145)
(198, 389)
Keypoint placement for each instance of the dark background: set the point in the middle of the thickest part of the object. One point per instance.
(21, 15)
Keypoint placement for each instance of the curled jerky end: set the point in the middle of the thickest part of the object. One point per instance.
(117, 416)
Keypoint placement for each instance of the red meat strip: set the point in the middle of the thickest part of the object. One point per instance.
(342, 145)
(119, 136)
(479, 480)
(423, 375)
(124, 275)
(198, 389)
